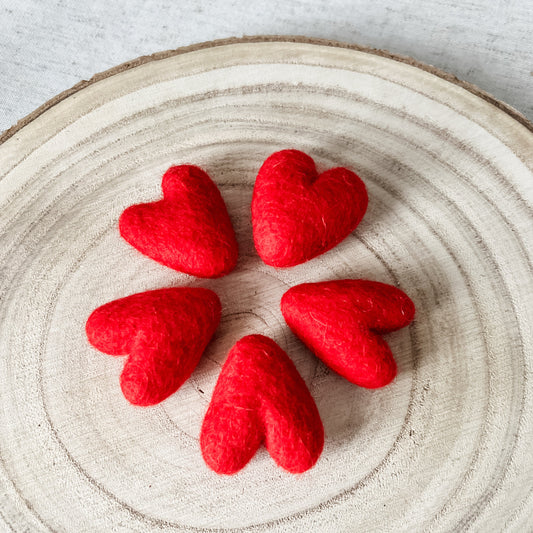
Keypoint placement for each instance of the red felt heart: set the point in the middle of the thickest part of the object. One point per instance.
(261, 397)
(341, 322)
(189, 230)
(164, 332)
(298, 214)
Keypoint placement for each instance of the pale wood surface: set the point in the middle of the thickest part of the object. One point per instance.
(448, 446)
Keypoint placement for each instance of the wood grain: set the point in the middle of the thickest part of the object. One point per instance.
(448, 446)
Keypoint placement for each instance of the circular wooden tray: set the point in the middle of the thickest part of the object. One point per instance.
(448, 446)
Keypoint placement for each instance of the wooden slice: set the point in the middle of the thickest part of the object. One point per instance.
(449, 170)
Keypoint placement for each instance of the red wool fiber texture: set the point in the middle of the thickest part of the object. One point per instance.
(260, 398)
(189, 230)
(164, 332)
(342, 323)
(298, 214)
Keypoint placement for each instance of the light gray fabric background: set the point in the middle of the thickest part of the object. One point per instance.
(48, 46)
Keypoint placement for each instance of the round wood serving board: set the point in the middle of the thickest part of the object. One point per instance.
(449, 170)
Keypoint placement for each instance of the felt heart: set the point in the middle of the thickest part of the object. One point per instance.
(341, 322)
(188, 230)
(164, 332)
(260, 397)
(298, 214)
